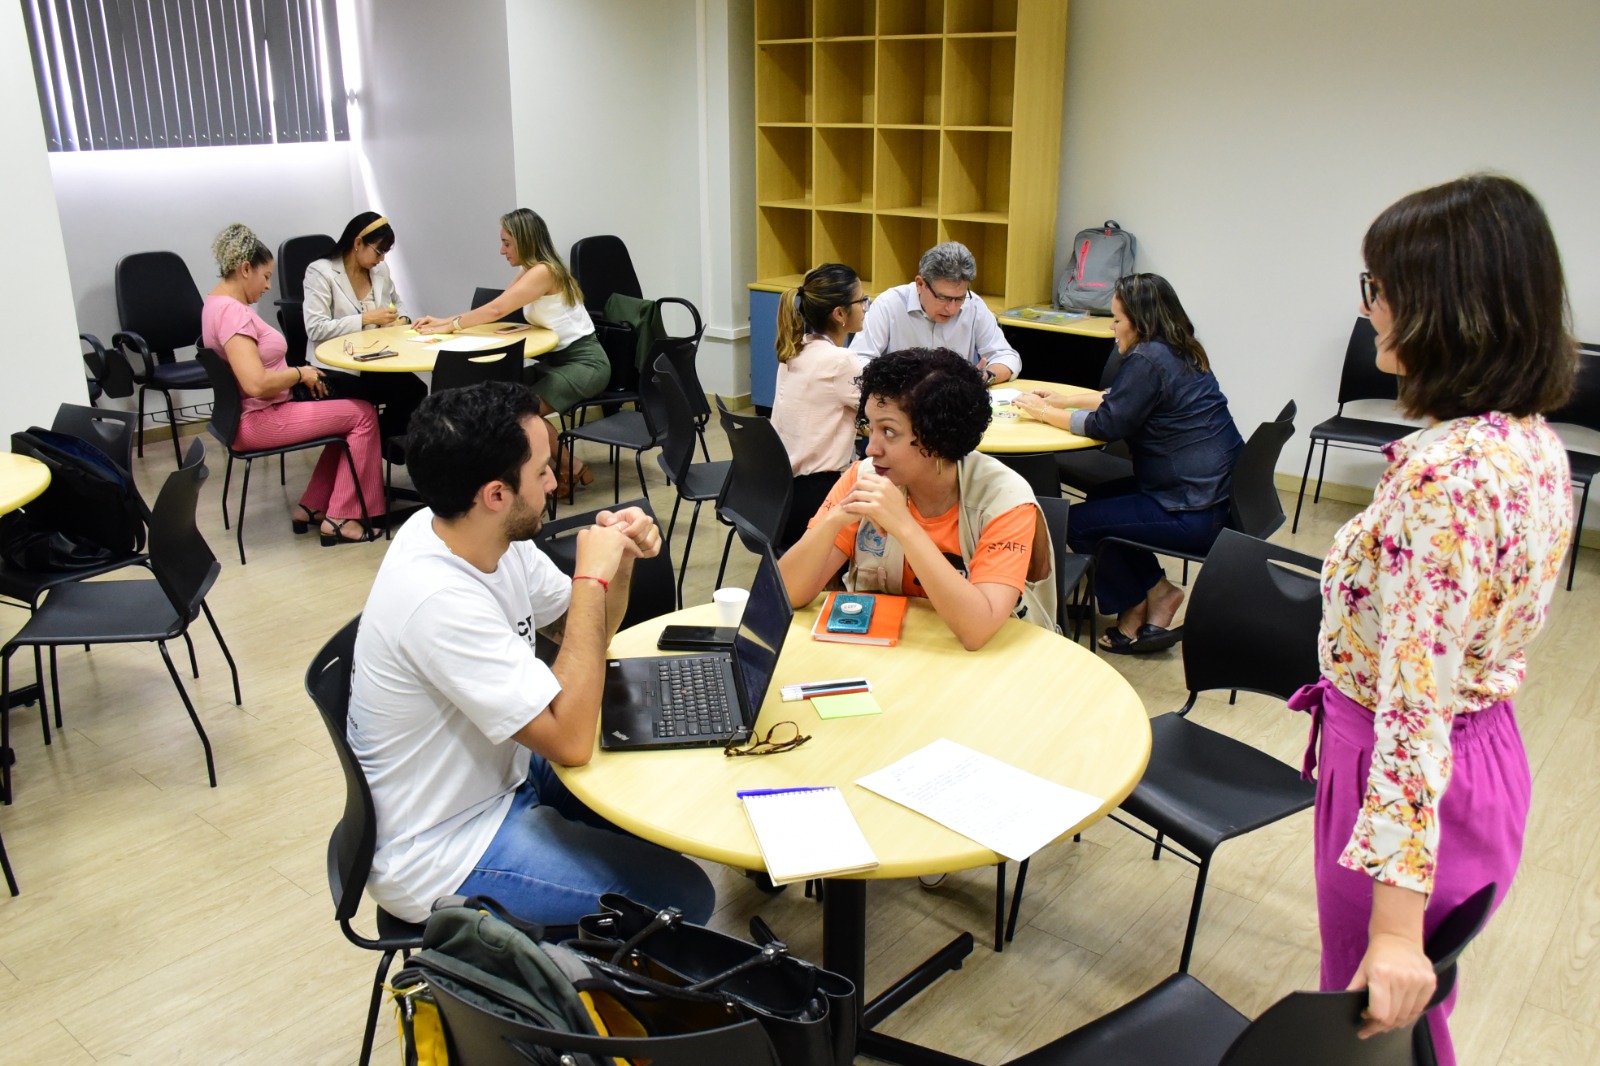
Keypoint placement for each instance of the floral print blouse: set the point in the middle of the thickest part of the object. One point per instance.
(1430, 596)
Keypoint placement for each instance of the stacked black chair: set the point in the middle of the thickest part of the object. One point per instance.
(698, 483)
(294, 255)
(1359, 380)
(683, 358)
(354, 839)
(226, 411)
(136, 612)
(484, 293)
(159, 308)
(602, 268)
(1088, 469)
(1582, 410)
(109, 372)
(760, 484)
(651, 592)
(1181, 1022)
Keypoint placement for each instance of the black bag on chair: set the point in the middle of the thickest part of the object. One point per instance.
(90, 514)
(809, 1013)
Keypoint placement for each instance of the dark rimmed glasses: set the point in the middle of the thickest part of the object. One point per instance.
(947, 301)
(1370, 290)
(784, 736)
(865, 302)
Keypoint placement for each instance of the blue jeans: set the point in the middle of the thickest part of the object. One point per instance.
(1125, 575)
(552, 858)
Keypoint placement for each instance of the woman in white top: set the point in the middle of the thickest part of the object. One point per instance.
(549, 297)
(348, 291)
(815, 406)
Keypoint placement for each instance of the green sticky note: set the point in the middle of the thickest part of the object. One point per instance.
(849, 705)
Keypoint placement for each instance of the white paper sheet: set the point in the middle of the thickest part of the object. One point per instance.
(1003, 395)
(474, 344)
(1007, 810)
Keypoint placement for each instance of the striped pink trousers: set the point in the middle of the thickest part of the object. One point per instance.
(330, 488)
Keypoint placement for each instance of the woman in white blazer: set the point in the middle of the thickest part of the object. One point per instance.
(350, 291)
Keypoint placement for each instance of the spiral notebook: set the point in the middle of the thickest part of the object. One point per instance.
(807, 832)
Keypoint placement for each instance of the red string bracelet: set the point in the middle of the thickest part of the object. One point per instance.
(602, 582)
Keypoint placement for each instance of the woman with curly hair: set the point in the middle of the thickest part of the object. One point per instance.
(926, 514)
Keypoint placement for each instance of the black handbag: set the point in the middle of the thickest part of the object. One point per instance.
(810, 1014)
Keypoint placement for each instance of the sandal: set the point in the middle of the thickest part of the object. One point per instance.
(338, 537)
(1154, 638)
(303, 525)
(1117, 642)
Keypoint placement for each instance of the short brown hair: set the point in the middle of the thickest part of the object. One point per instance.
(1471, 273)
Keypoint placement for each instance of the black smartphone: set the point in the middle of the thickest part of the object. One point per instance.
(695, 638)
(367, 357)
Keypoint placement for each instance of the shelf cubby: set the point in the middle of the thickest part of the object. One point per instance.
(975, 176)
(843, 237)
(908, 172)
(845, 84)
(979, 78)
(783, 166)
(899, 18)
(843, 168)
(898, 244)
(783, 21)
(910, 73)
(844, 18)
(980, 16)
(783, 83)
(987, 240)
(783, 241)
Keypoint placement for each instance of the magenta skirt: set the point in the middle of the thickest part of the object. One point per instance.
(1481, 820)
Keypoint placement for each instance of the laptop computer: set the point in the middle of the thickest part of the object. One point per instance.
(700, 701)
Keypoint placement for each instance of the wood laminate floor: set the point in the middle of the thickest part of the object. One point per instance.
(164, 921)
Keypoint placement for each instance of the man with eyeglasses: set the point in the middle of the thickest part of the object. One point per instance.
(939, 310)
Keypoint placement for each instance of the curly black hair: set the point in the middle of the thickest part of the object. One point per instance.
(943, 395)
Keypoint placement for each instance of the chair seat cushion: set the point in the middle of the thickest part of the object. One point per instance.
(102, 612)
(1202, 787)
(1585, 465)
(625, 429)
(188, 374)
(1179, 1022)
(392, 928)
(1089, 469)
(704, 481)
(25, 586)
(1366, 432)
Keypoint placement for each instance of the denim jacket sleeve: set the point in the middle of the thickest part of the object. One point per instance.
(1127, 404)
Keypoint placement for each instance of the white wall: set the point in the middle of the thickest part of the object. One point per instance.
(41, 355)
(1248, 145)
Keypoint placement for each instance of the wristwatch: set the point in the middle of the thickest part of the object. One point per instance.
(988, 376)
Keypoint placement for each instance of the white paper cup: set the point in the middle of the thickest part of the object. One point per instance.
(730, 605)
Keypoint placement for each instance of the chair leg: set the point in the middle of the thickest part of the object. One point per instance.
(1155, 856)
(1016, 899)
(7, 756)
(638, 464)
(1322, 469)
(361, 497)
(1305, 475)
(172, 424)
(227, 480)
(44, 712)
(372, 1007)
(683, 567)
(1194, 915)
(205, 742)
(194, 664)
(1577, 528)
(238, 701)
(1000, 906)
(727, 546)
(244, 494)
(672, 523)
(5, 864)
(55, 689)
(700, 431)
(283, 478)
(141, 421)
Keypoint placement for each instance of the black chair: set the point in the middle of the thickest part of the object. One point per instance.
(294, 255)
(111, 431)
(602, 267)
(760, 484)
(136, 612)
(226, 411)
(698, 483)
(1181, 1022)
(484, 293)
(1088, 469)
(158, 307)
(1038, 469)
(5, 866)
(652, 591)
(637, 430)
(1582, 410)
(354, 839)
(1252, 626)
(683, 364)
(109, 372)
(1359, 380)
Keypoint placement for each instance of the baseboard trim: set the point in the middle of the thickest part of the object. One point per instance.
(737, 401)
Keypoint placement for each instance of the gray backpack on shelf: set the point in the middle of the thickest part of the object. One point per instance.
(1099, 257)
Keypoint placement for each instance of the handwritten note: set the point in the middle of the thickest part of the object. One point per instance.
(1007, 810)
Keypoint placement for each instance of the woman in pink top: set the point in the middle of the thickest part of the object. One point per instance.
(255, 352)
(818, 393)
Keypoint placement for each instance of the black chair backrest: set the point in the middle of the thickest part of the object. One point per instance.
(1254, 506)
(1319, 1028)
(179, 555)
(227, 407)
(1361, 379)
(1252, 623)
(677, 446)
(1113, 367)
(355, 838)
(1584, 407)
(760, 485)
(1038, 469)
(110, 369)
(110, 431)
(683, 356)
(601, 265)
(484, 293)
(1054, 509)
(158, 300)
(459, 370)
(653, 591)
(294, 255)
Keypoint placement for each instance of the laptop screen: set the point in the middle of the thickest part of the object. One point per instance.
(761, 631)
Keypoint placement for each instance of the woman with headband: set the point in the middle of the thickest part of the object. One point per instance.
(348, 291)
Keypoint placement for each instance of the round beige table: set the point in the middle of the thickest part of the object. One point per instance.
(1013, 433)
(22, 479)
(417, 351)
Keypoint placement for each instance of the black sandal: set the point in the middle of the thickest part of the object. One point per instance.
(1117, 642)
(304, 526)
(338, 537)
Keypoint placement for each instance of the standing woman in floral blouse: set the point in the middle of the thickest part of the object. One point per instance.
(1431, 594)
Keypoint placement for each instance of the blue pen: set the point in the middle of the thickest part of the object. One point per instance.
(779, 791)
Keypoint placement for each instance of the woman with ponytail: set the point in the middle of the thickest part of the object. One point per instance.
(814, 407)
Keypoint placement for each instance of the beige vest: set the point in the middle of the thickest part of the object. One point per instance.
(987, 489)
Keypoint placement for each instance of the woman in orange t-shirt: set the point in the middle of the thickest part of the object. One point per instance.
(926, 514)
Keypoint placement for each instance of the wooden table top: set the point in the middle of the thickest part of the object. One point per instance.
(1031, 698)
(1047, 318)
(1014, 433)
(22, 479)
(417, 351)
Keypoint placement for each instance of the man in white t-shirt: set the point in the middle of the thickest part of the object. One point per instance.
(453, 718)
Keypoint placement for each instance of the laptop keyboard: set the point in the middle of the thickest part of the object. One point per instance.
(694, 699)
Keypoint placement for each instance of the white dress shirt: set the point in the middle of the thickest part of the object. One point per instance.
(896, 320)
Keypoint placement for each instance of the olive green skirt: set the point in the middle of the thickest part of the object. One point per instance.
(567, 375)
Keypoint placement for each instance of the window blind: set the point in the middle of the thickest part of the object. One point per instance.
(174, 73)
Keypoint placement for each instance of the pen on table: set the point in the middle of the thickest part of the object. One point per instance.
(842, 690)
(741, 794)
